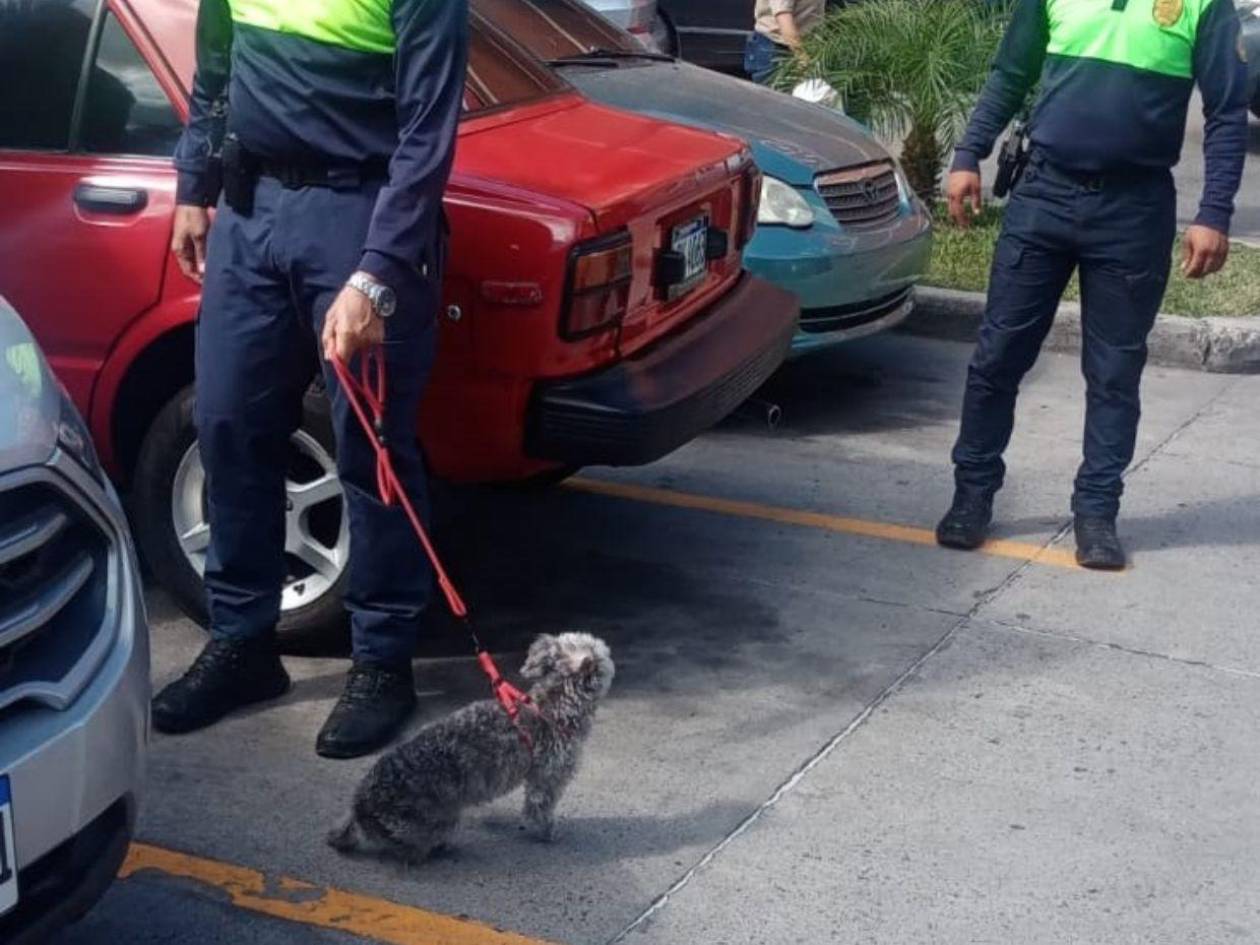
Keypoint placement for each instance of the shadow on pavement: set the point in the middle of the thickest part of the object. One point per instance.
(866, 386)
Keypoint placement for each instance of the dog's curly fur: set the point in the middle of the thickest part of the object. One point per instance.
(409, 804)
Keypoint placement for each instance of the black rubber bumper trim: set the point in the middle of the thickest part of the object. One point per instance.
(61, 886)
(648, 405)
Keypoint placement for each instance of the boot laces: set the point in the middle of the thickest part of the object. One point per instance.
(364, 684)
(1098, 529)
(216, 663)
(969, 506)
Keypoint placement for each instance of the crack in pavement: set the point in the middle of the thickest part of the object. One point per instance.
(1168, 440)
(821, 755)
(1118, 647)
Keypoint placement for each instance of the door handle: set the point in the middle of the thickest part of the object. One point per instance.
(118, 201)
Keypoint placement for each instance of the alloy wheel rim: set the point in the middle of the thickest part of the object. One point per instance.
(317, 532)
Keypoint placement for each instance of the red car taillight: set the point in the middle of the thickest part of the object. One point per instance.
(597, 295)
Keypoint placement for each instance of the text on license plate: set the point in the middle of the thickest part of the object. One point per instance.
(691, 241)
(8, 864)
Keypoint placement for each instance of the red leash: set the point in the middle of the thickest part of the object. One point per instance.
(366, 396)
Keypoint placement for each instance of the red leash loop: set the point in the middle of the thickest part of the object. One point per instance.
(366, 396)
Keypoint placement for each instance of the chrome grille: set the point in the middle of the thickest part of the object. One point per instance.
(864, 196)
(54, 588)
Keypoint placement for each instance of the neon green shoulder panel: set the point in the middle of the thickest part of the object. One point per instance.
(1155, 35)
(359, 25)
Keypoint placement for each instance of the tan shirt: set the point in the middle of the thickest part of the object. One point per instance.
(808, 13)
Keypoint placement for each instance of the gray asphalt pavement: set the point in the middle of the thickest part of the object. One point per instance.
(822, 729)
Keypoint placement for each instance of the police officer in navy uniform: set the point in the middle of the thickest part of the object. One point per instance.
(324, 130)
(1096, 197)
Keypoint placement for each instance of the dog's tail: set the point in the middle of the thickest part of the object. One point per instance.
(346, 837)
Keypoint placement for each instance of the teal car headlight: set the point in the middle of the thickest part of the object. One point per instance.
(73, 437)
(781, 205)
(903, 185)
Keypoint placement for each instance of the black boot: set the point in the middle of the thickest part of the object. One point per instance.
(376, 703)
(227, 675)
(1097, 545)
(966, 524)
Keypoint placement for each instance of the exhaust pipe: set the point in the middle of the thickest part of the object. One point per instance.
(762, 411)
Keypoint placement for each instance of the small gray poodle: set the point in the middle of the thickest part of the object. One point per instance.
(409, 803)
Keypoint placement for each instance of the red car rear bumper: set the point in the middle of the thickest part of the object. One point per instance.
(650, 404)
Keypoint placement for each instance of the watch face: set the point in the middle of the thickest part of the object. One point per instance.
(386, 302)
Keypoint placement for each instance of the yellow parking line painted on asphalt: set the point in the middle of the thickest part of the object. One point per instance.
(296, 901)
(1018, 550)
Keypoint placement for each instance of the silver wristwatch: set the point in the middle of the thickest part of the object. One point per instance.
(381, 296)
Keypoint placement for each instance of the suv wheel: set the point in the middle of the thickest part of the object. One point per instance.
(169, 511)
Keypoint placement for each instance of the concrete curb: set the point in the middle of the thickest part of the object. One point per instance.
(1219, 344)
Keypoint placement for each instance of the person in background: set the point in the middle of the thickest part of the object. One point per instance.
(1097, 198)
(780, 27)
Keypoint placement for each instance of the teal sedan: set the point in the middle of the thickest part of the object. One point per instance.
(839, 225)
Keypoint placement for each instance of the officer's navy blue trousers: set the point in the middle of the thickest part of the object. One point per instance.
(270, 279)
(1117, 231)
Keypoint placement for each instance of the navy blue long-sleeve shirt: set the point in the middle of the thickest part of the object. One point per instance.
(295, 88)
(1115, 88)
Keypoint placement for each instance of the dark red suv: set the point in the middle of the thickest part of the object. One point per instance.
(595, 310)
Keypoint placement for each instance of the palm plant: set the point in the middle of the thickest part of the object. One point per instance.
(909, 69)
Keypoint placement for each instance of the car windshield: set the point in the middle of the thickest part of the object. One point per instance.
(500, 73)
(560, 30)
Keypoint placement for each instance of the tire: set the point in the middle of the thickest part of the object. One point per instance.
(169, 463)
(544, 481)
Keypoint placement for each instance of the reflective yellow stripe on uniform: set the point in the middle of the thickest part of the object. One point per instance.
(1155, 35)
(358, 25)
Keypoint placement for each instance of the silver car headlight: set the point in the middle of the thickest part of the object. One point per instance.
(74, 438)
(781, 205)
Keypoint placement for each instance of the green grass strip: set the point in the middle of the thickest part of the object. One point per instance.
(961, 260)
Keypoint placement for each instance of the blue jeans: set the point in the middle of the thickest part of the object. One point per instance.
(761, 58)
(270, 279)
(1117, 230)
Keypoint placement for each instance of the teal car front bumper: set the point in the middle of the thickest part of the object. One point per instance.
(850, 281)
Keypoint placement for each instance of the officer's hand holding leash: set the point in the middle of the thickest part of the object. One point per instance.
(353, 323)
(192, 225)
(1203, 251)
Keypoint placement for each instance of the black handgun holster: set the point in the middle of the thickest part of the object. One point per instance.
(1012, 160)
(240, 176)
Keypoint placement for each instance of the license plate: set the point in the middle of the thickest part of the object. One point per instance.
(8, 856)
(691, 241)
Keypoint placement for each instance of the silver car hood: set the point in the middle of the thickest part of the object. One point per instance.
(30, 401)
(802, 139)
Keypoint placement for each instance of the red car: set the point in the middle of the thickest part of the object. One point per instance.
(595, 310)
